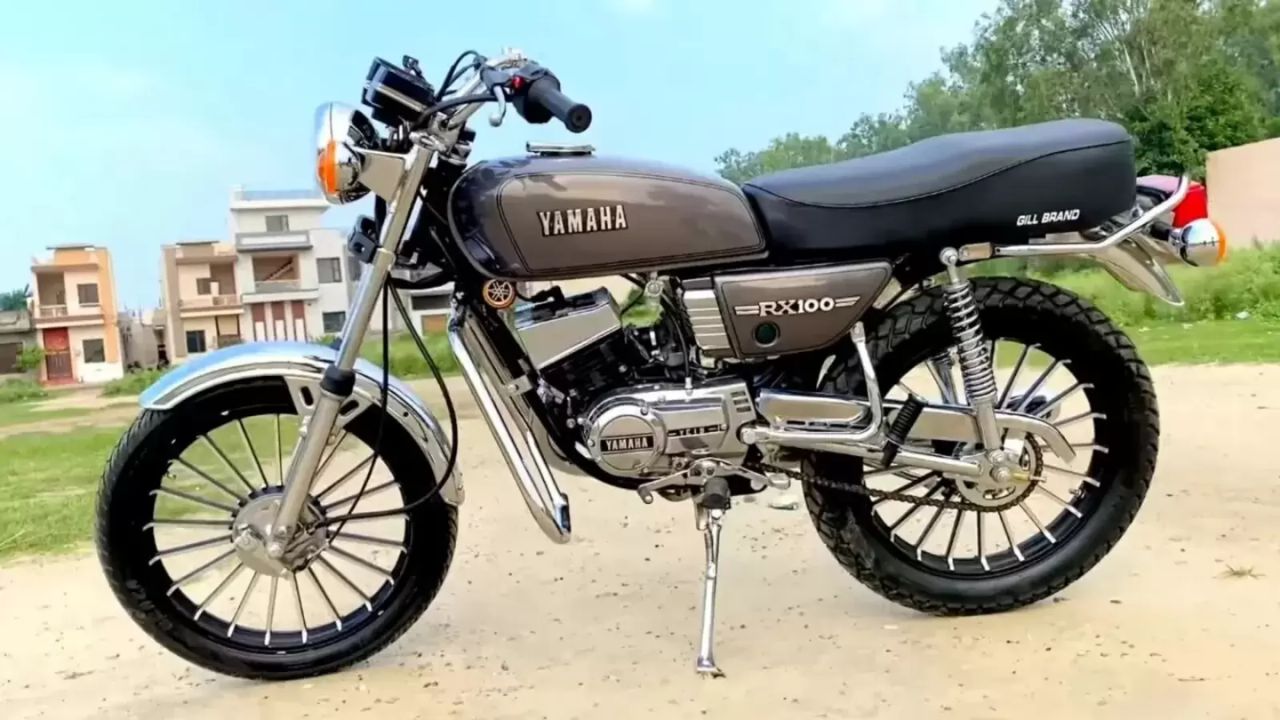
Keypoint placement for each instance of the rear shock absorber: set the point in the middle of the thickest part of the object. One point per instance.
(975, 361)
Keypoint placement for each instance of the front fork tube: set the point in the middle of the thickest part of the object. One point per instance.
(335, 388)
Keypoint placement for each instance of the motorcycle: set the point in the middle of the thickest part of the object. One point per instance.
(800, 313)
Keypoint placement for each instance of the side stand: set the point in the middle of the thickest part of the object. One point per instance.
(709, 508)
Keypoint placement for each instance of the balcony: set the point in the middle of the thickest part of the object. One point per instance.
(255, 241)
(280, 290)
(47, 315)
(204, 253)
(210, 305)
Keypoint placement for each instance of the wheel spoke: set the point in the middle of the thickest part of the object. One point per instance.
(1031, 392)
(253, 453)
(227, 461)
(928, 530)
(279, 452)
(370, 492)
(271, 608)
(235, 573)
(1095, 447)
(162, 490)
(1050, 406)
(346, 476)
(1082, 416)
(297, 598)
(982, 541)
(1036, 521)
(244, 600)
(1040, 488)
(940, 368)
(1013, 379)
(912, 512)
(210, 479)
(200, 571)
(955, 533)
(332, 452)
(371, 567)
(1073, 474)
(368, 604)
(333, 610)
(369, 540)
(189, 547)
(349, 520)
(191, 523)
(1017, 551)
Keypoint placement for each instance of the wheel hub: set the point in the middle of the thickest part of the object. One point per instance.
(251, 532)
(1010, 474)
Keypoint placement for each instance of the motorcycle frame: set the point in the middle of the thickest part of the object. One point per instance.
(494, 366)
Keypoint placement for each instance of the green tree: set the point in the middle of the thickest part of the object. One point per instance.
(14, 299)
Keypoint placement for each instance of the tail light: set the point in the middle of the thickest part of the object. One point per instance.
(1191, 236)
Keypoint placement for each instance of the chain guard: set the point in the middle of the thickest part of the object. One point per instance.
(903, 496)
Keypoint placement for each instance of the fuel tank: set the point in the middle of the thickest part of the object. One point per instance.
(547, 217)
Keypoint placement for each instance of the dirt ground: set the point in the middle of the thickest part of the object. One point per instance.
(606, 626)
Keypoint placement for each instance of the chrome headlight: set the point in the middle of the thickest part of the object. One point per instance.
(342, 132)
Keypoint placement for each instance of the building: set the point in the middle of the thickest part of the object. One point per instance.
(74, 308)
(140, 343)
(282, 276)
(1242, 183)
(16, 334)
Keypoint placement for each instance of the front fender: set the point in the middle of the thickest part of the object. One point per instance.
(293, 362)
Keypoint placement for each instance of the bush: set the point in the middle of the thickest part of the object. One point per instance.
(133, 383)
(406, 361)
(30, 358)
(21, 390)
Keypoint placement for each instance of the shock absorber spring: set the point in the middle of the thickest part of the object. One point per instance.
(971, 346)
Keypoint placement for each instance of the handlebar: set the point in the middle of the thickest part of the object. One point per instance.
(545, 93)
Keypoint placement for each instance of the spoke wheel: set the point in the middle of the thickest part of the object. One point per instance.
(185, 485)
(1058, 358)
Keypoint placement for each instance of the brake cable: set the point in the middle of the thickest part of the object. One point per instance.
(449, 407)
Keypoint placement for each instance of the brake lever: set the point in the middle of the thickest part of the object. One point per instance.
(501, 113)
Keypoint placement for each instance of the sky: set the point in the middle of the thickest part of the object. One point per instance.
(127, 124)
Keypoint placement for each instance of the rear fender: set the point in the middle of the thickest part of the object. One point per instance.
(301, 366)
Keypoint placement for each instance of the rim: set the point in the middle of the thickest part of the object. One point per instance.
(972, 544)
(243, 458)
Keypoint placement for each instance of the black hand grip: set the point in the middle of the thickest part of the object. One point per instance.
(545, 92)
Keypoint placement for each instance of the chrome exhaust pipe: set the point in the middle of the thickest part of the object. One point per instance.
(516, 440)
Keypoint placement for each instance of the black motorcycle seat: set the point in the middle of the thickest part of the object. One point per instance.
(997, 185)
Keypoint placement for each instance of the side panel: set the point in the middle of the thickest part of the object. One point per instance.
(563, 217)
(787, 311)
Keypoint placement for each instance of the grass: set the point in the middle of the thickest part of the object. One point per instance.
(1210, 341)
(406, 361)
(21, 390)
(133, 383)
(28, 412)
(1240, 572)
(51, 481)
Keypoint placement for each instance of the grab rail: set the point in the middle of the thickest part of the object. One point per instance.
(1091, 248)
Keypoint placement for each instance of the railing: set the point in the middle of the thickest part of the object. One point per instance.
(270, 286)
(51, 311)
(208, 301)
(298, 239)
(205, 252)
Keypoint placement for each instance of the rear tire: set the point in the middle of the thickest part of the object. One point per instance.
(126, 504)
(1065, 326)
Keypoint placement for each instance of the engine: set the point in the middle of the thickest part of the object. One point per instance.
(621, 389)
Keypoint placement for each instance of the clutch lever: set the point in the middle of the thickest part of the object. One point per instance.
(498, 115)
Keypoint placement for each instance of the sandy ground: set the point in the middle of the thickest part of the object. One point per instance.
(606, 626)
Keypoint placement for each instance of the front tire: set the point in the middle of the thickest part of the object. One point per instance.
(352, 617)
(1117, 386)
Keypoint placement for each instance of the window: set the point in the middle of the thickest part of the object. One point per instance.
(277, 223)
(88, 293)
(333, 321)
(94, 352)
(195, 341)
(329, 269)
(204, 286)
(355, 268)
